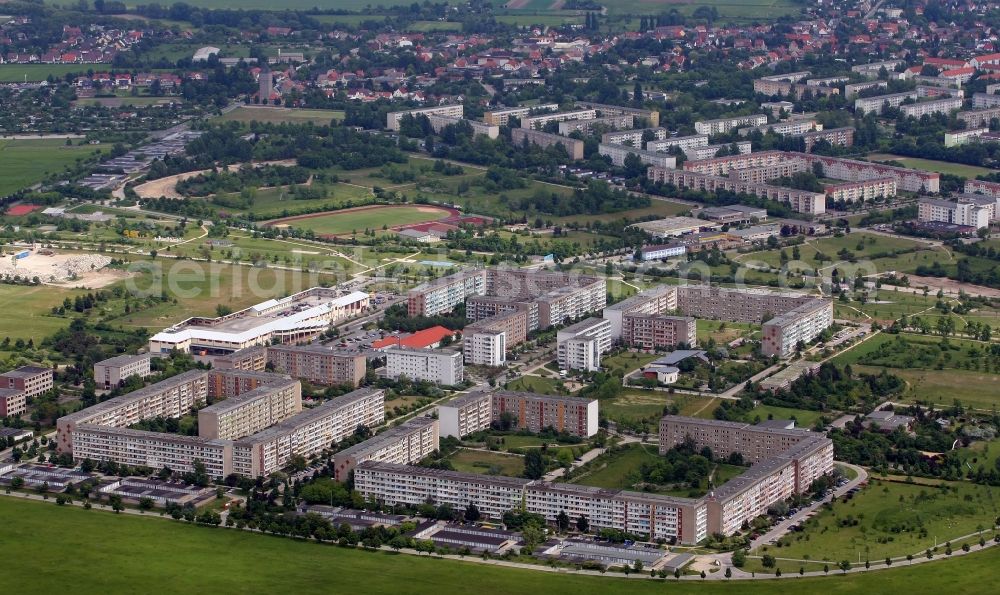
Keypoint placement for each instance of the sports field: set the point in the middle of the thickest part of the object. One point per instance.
(279, 115)
(26, 162)
(166, 557)
(349, 221)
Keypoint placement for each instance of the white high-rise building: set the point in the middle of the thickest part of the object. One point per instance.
(442, 366)
(580, 345)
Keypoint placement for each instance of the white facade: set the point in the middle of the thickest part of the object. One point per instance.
(441, 366)
(580, 346)
(618, 153)
(392, 119)
(485, 348)
(958, 213)
(723, 125)
(681, 142)
(466, 415)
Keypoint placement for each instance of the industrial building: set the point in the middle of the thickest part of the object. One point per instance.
(296, 318)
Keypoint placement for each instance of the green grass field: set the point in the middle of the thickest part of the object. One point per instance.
(535, 384)
(18, 73)
(25, 311)
(275, 115)
(347, 222)
(165, 557)
(894, 519)
(736, 10)
(619, 470)
(200, 287)
(26, 162)
(486, 462)
(944, 167)
(627, 361)
(863, 246)
(803, 417)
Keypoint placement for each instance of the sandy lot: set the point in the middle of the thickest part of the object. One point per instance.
(68, 270)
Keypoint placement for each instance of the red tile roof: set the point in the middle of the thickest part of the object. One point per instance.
(418, 340)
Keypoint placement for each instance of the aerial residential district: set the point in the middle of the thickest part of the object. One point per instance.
(564, 296)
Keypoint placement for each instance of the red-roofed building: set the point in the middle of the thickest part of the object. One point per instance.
(425, 339)
(946, 63)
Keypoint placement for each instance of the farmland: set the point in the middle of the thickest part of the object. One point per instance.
(200, 559)
(26, 162)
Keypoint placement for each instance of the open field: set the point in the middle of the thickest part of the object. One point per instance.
(635, 405)
(893, 519)
(26, 162)
(169, 557)
(888, 304)
(932, 375)
(535, 384)
(278, 115)
(943, 387)
(944, 167)
(861, 245)
(200, 287)
(359, 219)
(487, 462)
(18, 73)
(627, 361)
(741, 10)
(25, 311)
(621, 470)
(803, 417)
(425, 26)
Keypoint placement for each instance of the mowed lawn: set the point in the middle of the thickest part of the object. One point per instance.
(26, 162)
(944, 167)
(893, 519)
(279, 115)
(346, 222)
(167, 557)
(487, 462)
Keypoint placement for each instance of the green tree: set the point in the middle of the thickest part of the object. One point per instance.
(534, 464)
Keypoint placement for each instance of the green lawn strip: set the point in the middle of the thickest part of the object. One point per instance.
(169, 557)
